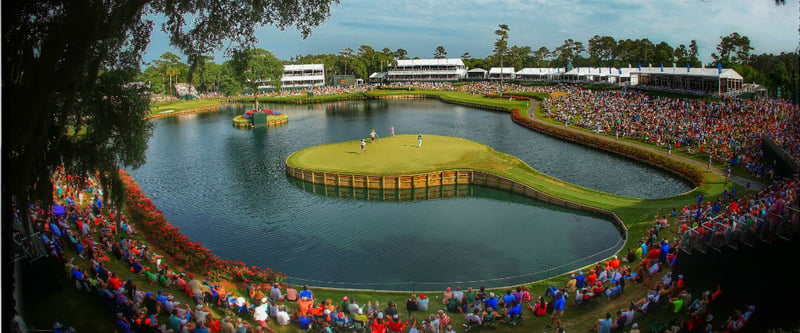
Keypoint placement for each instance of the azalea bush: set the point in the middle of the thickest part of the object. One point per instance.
(180, 249)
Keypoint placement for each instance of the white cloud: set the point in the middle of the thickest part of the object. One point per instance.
(468, 25)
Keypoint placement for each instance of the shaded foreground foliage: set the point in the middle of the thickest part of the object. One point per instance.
(68, 68)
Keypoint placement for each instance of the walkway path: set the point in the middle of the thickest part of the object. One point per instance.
(754, 185)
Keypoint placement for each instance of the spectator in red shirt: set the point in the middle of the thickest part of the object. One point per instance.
(114, 282)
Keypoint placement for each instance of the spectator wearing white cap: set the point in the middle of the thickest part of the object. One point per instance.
(378, 325)
(491, 301)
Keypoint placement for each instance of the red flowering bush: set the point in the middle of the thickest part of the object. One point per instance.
(180, 249)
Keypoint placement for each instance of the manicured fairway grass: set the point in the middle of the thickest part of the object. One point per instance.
(176, 106)
(393, 155)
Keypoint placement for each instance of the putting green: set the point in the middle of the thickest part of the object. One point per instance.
(396, 155)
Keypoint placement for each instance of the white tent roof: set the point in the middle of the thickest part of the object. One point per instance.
(503, 70)
(476, 70)
(378, 75)
(727, 73)
(539, 71)
(318, 67)
(601, 71)
(430, 62)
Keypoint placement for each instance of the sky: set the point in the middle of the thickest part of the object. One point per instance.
(419, 26)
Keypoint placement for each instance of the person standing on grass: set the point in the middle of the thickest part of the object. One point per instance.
(392, 130)
(727, 174)
(372, 135)
(558, 309)
(363, 146)
(419, 140)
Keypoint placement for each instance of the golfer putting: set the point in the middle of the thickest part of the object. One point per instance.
(374, 135)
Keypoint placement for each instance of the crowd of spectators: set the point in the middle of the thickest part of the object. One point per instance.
(97, 234)
(79, 224)
(320, 91)
(730, 130)
(494, 88)
(771, 213)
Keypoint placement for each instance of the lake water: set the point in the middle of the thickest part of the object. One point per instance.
(227, 188)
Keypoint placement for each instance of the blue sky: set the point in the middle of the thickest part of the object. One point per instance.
(419, 26)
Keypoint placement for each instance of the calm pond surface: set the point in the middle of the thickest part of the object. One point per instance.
(227, 188)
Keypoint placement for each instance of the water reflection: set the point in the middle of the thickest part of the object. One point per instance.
(227, 188)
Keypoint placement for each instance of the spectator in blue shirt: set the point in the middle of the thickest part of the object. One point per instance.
(491, 302)
(306, 293)
(558, 309)
(508, 299)
(580, 280)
